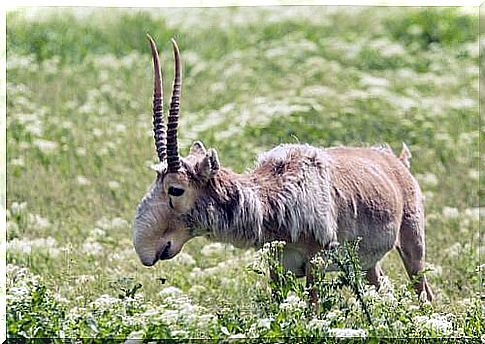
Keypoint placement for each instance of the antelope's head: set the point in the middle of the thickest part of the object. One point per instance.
(160, 228)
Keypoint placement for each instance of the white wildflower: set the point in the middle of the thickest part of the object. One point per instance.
(473, 213)
(45, 146)
(76, 312)
(170, 291)
(274, 244)
(318, 261)
(428, 196)
(438, 323)
(318, 324)
(120, 128)
(23, 62)
(24, 145)
(149, 313)
(113, 184)
(214, 248)
(184, 259)
(197, 289)
(205, 320)
(17, 208)
(92, 247)
(81, 180)
(346, 332)
(115, 223)
(385, 286)
(265, 323)
(474, 174)
(67, 124)
(47, 245)
(392, 50)
(19, 291)
(81, 279)
(179, 333)
(450, 213)
(433, 270)
(196, 273)
(134, 337)
(104, 223)
(12, 227)
(81, 151)
(169, 316)
(413, 308)
(59, 298)
(32, 123)
(356, 94)
(454, 250)
(428, 179)
(237, 336)
(38, 221)
(187, 309)
(217, 87)
(98, 132)
(35, 128)
(105, 301)
(97, 233)
(397, 325)
(118, 223)
(415, 30)
(17, 162)
(333, 314)
(318, 91)
(369, 80)
(103, 151)
(292, 303)
(371, 292)
(460, 103)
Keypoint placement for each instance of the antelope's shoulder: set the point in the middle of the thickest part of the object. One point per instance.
(286, 153)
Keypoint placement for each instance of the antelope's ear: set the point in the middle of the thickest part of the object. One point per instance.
(209, 166)
(159, 168)
(197, 148)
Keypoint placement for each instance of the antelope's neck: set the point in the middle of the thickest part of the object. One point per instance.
(232, 209)
(250, 207)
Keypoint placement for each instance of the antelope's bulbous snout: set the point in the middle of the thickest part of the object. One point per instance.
(145, 244)
(148, 229)
(156, 234)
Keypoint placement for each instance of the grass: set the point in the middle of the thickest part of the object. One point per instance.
(79, 143)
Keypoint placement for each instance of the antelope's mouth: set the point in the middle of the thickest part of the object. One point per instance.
(165, 252)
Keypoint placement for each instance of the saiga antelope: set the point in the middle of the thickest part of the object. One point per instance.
(309, 197)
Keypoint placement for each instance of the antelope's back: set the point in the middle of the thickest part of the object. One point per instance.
(372, 176)
(374, 191)
(342, 193)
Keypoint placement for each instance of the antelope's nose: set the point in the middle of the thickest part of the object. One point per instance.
(165, 251)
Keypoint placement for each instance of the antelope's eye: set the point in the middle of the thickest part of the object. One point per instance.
(174, 191)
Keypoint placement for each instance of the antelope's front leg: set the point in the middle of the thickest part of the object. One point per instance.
(312, 289)
(276, 278)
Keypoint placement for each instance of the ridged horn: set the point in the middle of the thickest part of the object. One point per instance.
(159, 130)
(173, 159)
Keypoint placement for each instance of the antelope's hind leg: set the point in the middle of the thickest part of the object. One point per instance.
(373, 275)
(411, 247)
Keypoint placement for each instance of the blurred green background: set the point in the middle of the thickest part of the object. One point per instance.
(79, 85)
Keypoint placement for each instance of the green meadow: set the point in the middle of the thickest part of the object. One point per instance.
(79, 147)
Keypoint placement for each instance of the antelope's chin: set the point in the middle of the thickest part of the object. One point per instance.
(148, 261)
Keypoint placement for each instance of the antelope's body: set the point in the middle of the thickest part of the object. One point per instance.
(306, 196)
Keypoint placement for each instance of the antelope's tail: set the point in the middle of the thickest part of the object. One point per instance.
(405, 156)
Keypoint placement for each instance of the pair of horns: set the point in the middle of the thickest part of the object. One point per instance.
(166, 139)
